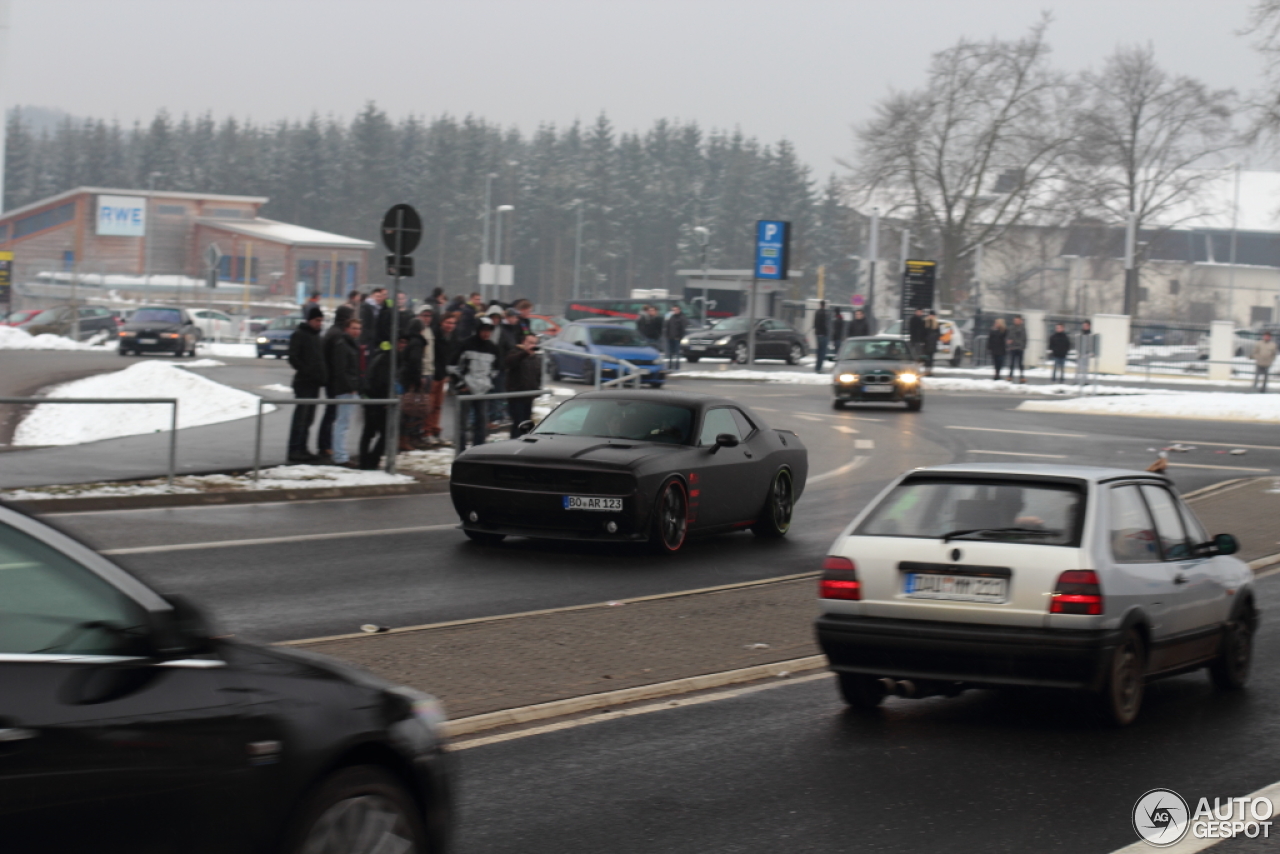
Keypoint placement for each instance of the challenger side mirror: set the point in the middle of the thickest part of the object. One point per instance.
(524, 426)
(724, 440)
(182, 631)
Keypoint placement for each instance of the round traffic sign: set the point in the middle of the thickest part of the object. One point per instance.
(401, 220)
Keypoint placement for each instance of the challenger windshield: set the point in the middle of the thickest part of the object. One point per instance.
(636, 420)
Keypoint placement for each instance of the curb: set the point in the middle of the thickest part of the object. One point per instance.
(590, 702)
(202, 499)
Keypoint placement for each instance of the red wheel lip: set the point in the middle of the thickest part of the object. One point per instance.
(684, 535)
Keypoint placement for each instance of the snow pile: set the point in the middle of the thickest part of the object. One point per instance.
(279, 388)
(434, 462)
(12, 338)
(203, 363)
(1205, 406)
(227, 350)
(200, 401)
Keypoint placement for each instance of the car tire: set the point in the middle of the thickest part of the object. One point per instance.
(779, 504)
(740, 354)
(861, 692)
(1120, 699)
(837, 405)
(670, 523)
(795, 354)
(693, 359)
(124, 352)
(655, 385)
(1230, 670)
(352, 805)
(915, 405)
(484, 538)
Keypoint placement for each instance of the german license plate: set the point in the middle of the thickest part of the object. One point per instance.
(279, 346)
(962, 588)
(588, 502)
(878, 389)
(148, 341)
(697, 347)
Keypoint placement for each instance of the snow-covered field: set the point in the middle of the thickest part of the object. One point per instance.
(17, 339)
(1207, 406)
(200, 401)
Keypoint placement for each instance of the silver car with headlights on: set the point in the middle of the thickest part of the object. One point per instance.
(983, 576)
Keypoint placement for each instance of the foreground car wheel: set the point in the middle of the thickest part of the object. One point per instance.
(693, 359)
(361, 809)
(775, 518)
(915, 405)
(670, 518)
(795, 354)
(862, 692)
(1121, 696)
(484, 538)
(1231, 669)
(837, 405)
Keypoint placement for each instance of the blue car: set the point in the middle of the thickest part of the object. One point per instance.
(604, 339)
(274, 340)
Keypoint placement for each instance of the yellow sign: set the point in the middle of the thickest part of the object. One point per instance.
(6, 277)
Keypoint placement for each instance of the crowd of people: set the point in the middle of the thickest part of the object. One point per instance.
(443, 348)
(830, 328)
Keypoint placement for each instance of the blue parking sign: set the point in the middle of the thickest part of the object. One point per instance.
(773, 248)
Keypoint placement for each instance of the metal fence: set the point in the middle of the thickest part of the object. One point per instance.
(394, 403)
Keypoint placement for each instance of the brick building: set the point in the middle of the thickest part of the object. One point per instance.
(139, 237)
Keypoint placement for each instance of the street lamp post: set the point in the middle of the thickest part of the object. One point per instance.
(484, 243)
(497, 247)
(704, 239)
(577, 251)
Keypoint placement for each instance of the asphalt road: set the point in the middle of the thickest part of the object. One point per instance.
(788, 769)
(320, 568)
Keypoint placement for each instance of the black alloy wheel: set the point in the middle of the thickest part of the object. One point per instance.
(360, 810)
(670, 518)
(1121, 695)
(740, 353)
(863, 693)
(795, 354)
(1230, 670)
(775, 517)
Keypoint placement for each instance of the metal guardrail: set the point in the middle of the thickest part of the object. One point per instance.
(464, 400)
(165, 401)
(394, 403)
(1185, 366)
(632, 370)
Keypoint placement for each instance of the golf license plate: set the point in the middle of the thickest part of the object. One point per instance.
(878, 389)
(591, 502)
(962, 588)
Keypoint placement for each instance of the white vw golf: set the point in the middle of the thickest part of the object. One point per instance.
(966, 576)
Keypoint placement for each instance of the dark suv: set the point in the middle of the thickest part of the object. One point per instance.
(126, 724)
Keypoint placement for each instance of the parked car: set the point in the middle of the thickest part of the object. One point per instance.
(633, 466)
(879, 369)
(951, 340)
(127, 723)
(972, 576)
(566, 352)
(62, 321)
(545, 327)
(215, 325)
(159, 329)
(274, 340)
(19, 316)
(727, 339)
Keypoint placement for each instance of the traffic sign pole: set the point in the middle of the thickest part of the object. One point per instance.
(392, 430)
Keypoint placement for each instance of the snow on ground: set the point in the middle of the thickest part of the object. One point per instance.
(1205, 406)
(436, 461)
(203, 363)
(228, 350)
(16, 339)
(277, 387)
(934, 383)
(200, 401)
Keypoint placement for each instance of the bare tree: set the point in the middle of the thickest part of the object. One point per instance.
(974, 151)
(1264, 23)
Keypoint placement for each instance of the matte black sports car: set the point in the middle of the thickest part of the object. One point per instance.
(879, 369)
(633, 465)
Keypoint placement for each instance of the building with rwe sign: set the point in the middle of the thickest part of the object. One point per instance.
(136, 239)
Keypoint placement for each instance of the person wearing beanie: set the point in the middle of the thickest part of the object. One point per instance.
(306, 357)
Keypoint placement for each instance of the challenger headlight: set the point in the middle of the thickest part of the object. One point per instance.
(684, 340)
(848, 378)
(720, 342)
(908, 378)
(263, 341)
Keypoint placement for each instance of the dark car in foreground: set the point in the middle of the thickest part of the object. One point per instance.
(633, 466)
(127, 724)
(727, 339)
(880, 369)
(274, 340)
(159, 329)
(1094, 579)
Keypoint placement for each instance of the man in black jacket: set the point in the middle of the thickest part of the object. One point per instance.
(473, 366)
(524, 373)
(373, 438)
(917, 333)
(342, 359)
(649, 325)
(822, 332)
(858, 327)
(306, 357)
(1059, 347)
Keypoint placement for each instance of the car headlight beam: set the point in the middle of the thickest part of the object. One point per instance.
(848, 378)
(908, 378)
(720, 342)
(262, 340)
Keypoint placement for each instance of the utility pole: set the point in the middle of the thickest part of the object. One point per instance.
(4, 77)
(1231, 273)
(704, 239)
(1130, 271)
(484, 243)
(577, 253)
(874, 252)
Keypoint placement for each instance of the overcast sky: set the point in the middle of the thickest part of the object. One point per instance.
(805, 70)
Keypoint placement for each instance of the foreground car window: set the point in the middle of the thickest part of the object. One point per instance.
(1044, 514)
(636, 420)
(1133, 537)
(50, 604)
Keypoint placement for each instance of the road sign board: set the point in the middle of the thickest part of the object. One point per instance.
(402, 266)
(918, 285)
(857, 299)
(773, 249)
(212, 256)
(404, 221)
(6, 277)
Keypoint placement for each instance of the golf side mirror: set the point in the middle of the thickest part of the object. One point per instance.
(1225, 544)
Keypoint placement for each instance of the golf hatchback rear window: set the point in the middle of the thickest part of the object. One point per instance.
(1048, 514)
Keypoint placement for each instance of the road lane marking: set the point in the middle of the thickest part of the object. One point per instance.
(1220, 468)
(1022, 454)
(806, 417)
(264, 541)
(592, 702)
(1020, 432)
(1227, 445)
(844, 469)
(864, 444)
(283, 502)
(845, 428)
(1189, 844)
(765, 409)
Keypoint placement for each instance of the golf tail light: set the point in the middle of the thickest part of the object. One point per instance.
(839, 579)
(1078, 592)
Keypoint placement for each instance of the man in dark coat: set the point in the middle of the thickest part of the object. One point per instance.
(859, 327)
(918, 333)
(524, 373)
(342, 317)
(306, 357)
(673, 329)
(342, 359)
(369, 311)
(837, 330)
(373, 438)
(1059, 347)
(822, 332)
(649, 325)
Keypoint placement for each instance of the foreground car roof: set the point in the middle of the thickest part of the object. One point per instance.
(685, 398)
(1093, 474)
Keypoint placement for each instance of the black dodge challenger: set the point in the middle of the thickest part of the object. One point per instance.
(633, 465)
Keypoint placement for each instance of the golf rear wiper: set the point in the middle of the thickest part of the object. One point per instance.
(1043, 532)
